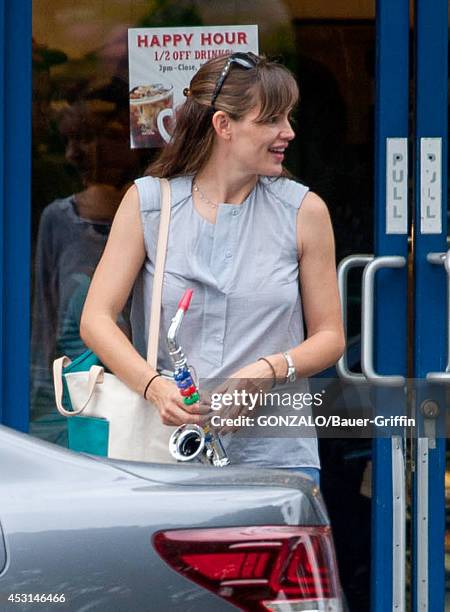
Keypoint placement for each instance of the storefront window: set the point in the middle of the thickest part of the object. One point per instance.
(82, 161)
(82, 164)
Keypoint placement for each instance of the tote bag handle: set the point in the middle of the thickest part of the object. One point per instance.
(95, 376)
(155, 309)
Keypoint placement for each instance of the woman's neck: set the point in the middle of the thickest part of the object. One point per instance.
(221, 184)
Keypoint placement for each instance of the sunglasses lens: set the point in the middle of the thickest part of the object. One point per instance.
(247, 60)
(244, 63)
(244, 60)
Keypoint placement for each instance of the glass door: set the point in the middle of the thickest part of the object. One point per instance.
(405, 306)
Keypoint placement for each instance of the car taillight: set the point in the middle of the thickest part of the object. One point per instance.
(258, 568)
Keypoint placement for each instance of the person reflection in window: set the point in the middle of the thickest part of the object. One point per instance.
(71, 238)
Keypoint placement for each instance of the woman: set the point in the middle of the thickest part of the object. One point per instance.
(241, 236)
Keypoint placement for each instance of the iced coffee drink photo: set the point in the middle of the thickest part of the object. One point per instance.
(146, 103)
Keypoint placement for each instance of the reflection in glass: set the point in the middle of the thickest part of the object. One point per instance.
(82, 164)
(72, 231)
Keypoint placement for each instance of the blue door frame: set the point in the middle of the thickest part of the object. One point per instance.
(430, 319)
(391, 121)
(15, 174)
(431, 316)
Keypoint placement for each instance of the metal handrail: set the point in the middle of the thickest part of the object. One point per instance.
(348, 263)
(367, 320)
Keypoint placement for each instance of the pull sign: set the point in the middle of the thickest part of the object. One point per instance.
(396, 185)
(430, 185)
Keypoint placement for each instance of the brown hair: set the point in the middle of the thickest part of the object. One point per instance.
(270, 84)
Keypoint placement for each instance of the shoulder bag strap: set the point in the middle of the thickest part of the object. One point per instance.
(155, 309)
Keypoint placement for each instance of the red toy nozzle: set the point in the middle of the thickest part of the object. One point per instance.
(186, 299)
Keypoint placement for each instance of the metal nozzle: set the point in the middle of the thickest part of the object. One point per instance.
(187, 442)
(191, 442)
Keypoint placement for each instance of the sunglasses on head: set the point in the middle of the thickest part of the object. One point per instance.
(247, 61)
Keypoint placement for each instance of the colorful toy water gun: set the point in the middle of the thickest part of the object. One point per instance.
(189, 442)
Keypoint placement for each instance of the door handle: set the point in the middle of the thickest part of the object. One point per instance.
(367, 327)
(352, 261)
(443, 259)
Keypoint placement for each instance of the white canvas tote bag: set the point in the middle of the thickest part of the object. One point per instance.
(130, 426)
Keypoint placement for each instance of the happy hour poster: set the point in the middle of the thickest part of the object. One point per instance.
(162, 62)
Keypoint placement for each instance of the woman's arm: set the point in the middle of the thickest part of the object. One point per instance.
(325, 341)
(111, 285)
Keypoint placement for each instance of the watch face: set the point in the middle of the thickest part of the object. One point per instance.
(291, 376)
(291, 373)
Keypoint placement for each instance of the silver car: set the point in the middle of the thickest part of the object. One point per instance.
(83, 533)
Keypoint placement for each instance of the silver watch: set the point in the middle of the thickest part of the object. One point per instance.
(291, 373)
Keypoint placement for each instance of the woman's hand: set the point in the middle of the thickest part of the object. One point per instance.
(247, 387)
(166, 396)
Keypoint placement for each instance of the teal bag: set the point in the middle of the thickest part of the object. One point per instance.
(86, 434)
(83, 362)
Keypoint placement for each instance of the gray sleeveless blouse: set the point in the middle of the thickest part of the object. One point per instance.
(246, 303)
